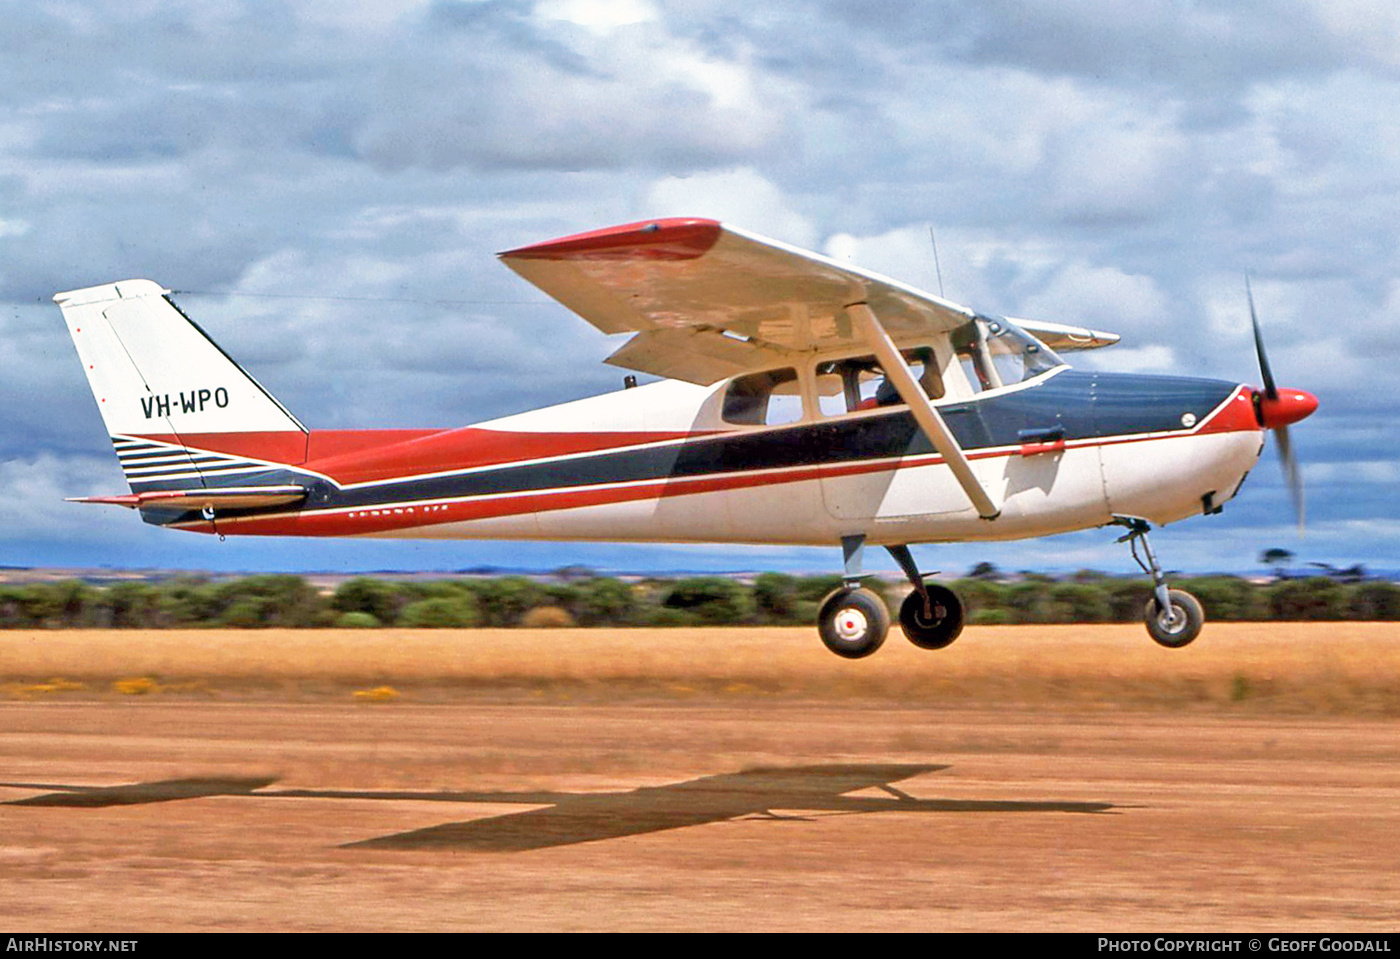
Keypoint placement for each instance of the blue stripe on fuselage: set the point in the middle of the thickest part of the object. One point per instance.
(1086, 405)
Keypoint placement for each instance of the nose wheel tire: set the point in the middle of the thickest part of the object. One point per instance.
(938, 631)
(853, 622)
(1179, 624)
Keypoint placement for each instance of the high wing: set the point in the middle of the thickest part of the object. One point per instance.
(706, 301)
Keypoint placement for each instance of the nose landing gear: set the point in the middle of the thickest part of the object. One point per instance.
(1173, 616)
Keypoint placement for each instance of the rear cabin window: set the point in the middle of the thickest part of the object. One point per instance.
(771, 398)
(859, 383)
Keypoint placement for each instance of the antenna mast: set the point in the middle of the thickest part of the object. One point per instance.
(934, 240)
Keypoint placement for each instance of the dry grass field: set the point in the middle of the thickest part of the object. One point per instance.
(1055, 778)
(1318, 668)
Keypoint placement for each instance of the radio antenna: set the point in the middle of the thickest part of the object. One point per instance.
(938, 269)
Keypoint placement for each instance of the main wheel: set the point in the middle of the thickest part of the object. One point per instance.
(1177, 626)
(853, 622)
(943, 628)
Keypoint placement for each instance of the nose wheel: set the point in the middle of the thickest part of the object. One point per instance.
(1179, 622)
(1173, 616)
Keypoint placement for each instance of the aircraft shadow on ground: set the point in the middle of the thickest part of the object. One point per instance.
(566, 818)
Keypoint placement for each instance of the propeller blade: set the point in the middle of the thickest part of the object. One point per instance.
(1270, 413)
(1270, 390)
(1291, 473)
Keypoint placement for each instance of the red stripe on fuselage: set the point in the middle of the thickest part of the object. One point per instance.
(277, 446)
(363, 456)
(469, 448)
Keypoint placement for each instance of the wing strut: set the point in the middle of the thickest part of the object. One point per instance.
(925, 415)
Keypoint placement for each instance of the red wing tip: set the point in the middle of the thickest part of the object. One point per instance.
(675, 238)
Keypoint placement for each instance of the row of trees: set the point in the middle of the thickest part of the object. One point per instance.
(772, 598)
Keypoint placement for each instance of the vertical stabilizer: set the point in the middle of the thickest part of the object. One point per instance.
(175, 405)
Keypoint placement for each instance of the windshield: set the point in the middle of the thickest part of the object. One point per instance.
(995, 352)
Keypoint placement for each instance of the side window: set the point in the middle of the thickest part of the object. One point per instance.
(771, 398)
(859, 383)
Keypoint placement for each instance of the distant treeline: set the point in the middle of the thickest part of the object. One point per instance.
(772, 599)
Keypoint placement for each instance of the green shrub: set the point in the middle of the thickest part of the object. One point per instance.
(456, 613)
(604, 601)
(503, 601)
(373, 597)
(1226, 598)
(1315, 598)
(1374, 601)
(711, 599)
(775, 597)
(1078, 602)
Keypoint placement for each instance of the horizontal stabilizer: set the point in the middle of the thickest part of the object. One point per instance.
(231, 497)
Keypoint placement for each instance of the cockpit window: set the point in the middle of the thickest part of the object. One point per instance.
(859, 383)
(771, 398)
(995, 353)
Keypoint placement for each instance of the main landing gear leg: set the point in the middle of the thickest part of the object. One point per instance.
(932, 615)
(1173, 616)
(853, 620)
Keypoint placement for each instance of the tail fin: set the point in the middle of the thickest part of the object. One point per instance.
(180, 412)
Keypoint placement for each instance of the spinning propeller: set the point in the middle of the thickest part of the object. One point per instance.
(1275, 409)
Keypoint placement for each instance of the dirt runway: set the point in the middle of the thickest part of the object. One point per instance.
(710, 809)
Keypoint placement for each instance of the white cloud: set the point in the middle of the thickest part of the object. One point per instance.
(1105, 298)
(600, 16)
(35, 490)
(739, 196)
(1371, 27)
(904, 254)
(1116, 169)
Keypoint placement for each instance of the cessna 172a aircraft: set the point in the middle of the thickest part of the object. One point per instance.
(804, 401)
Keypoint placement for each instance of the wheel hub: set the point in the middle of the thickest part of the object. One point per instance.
(851, 624)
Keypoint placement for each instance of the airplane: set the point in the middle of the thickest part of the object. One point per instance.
(803, 401)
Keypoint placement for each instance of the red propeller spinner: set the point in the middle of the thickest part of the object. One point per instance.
(1287, 406)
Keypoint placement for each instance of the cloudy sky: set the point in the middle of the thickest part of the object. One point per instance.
(327, 181)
